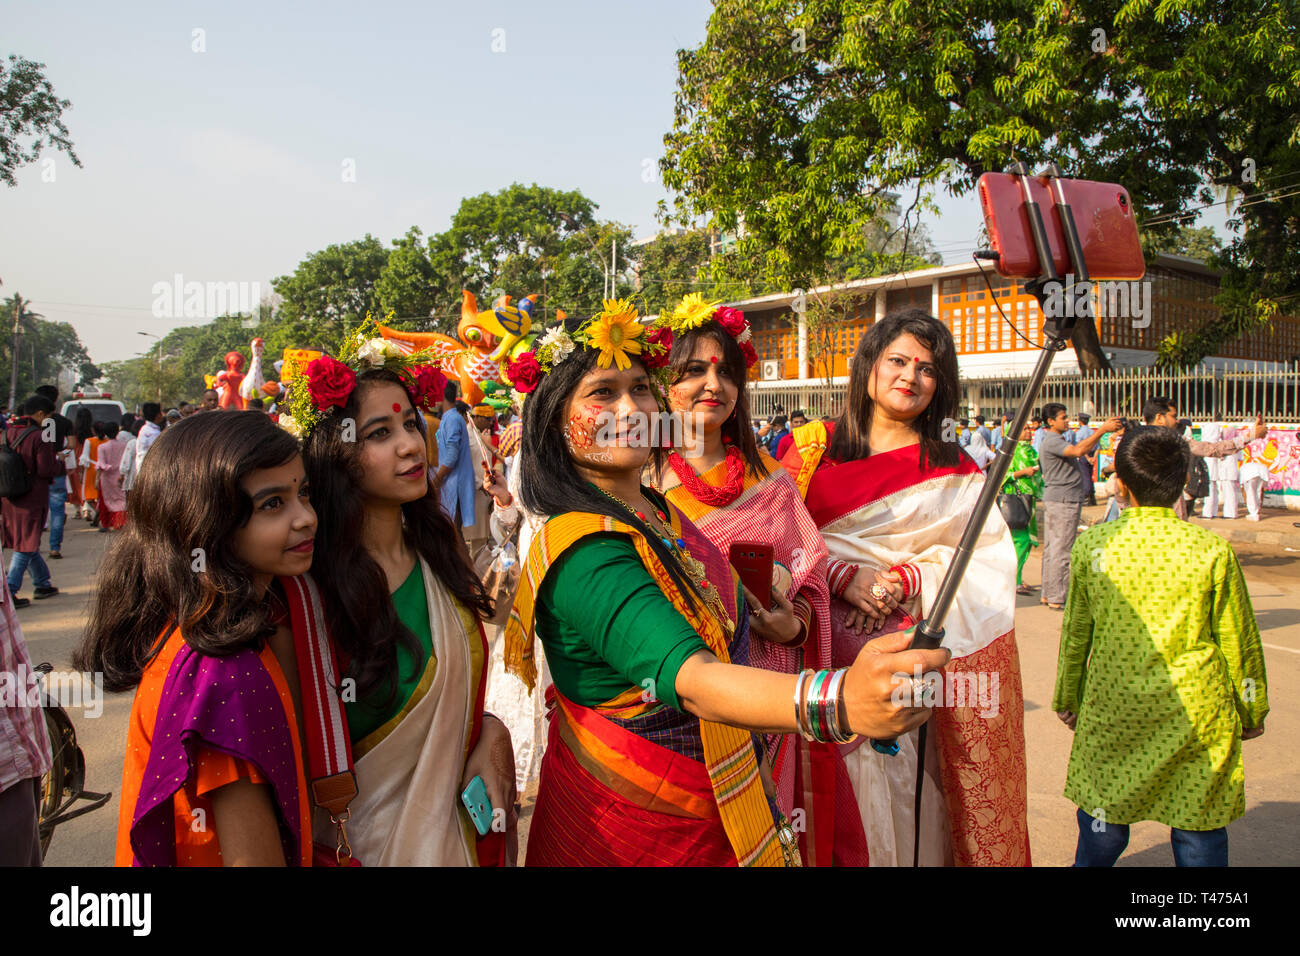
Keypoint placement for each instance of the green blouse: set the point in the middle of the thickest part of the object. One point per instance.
(375, 709)
(1023, 457)
(607, 626)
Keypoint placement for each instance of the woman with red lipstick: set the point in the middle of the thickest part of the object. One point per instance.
(891, 492)
(406, 616)
(732, 490)
(190, 609)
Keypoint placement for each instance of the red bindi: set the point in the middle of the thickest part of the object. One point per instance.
(396, 407)
(713, 359)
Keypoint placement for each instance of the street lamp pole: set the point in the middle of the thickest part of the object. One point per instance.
(159, 379)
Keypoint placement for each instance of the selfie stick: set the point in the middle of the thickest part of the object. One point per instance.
(1056, 332)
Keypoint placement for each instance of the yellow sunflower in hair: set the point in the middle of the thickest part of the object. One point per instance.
(614, 332)
(692, 312)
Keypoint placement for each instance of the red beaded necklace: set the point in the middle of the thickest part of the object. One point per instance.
(706, 493)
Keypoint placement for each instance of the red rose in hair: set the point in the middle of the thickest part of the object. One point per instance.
(747, 350)
(732, 320)
(427, 387)
(662, 336)
(330, 382)
(524, 373)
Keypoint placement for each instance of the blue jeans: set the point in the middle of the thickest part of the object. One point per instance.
(58, 499)
(18, 567)
(1191, 847)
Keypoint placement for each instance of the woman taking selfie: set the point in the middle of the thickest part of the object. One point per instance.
(891, 492)
(732, 490)
(405, 612)
(652, 757)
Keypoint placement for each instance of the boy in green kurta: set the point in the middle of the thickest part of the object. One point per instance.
(1161, 670)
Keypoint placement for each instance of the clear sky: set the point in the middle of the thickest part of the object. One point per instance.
(228, 165)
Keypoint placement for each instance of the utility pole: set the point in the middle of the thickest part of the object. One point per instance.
(13, 354)
(613, 266)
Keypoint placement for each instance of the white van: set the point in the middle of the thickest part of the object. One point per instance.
(102, 407)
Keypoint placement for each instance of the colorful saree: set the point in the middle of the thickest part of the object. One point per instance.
(887, 510)
(809, 776)
(408, 811)
(623, 784)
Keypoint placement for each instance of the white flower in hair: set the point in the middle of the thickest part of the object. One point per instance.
(376, 351)
(557, 344)
(746, 335)
(292, 427)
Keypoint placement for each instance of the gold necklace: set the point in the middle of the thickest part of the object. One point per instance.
(694, 568)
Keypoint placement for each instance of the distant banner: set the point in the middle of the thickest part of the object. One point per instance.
(1279, 452)
(295, 361)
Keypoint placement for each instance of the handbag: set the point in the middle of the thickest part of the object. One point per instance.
(498, 567)
(1016, 510)
(333, 782)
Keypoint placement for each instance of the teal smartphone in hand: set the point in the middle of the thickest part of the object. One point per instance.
(479, 806)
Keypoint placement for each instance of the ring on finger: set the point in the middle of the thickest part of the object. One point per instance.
(879, 591)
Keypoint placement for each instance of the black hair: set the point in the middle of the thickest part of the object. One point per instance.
(49, 391)
(150, 410)
(256, 404)
(83, 426)
(1051, 410)
(779, 421)
(549, 482)
(733, 363)
(799, 413)
(1153, 463)
(128, 420)
(358, 605)
(979, 419)
(1156, 405)
(853, 427)
(147, 584)
(37, 403)
(451, 392)
(109, 429)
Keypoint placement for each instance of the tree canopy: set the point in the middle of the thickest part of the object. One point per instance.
(801, 116)
(31, 117)
(45, 349)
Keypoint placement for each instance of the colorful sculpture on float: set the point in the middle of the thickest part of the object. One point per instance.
(251, 386)
(228, 382)
(487, 340)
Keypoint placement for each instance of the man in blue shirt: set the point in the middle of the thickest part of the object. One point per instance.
(1087, 463)
(455, 462)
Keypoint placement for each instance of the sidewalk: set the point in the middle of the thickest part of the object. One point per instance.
(1274, 528)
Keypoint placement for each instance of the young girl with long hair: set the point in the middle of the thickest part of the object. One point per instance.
(406, 613)
(891, 492)
(189, 611)
(733, 490)
(652, 757)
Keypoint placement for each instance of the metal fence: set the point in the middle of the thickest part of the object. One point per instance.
(1234, 393)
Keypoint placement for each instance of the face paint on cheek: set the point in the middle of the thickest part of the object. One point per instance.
(580, 432)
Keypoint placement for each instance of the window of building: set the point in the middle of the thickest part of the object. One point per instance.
(951, 290)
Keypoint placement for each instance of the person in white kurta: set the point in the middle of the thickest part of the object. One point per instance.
(1253, 474)
(1223, 477)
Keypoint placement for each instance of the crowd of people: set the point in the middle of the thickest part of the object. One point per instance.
(374, 625)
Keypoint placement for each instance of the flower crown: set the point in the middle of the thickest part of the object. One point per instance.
(327, 382)
(615, 331)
